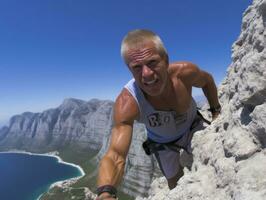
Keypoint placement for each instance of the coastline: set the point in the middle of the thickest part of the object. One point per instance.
(55, 154)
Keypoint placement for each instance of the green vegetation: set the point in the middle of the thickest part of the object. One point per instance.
(57, 193)
(73, 154)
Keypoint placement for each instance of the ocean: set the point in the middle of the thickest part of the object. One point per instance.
(26, 176)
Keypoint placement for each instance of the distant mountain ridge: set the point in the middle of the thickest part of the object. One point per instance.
(200, 100)
(3, 123)
(74, 122)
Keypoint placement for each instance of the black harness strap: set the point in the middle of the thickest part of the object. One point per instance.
(205, 120)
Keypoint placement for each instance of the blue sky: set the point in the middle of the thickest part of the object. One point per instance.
(55, 49)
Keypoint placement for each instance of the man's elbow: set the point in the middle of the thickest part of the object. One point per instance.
(208, 80)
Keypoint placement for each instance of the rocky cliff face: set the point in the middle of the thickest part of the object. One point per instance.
(75, 122)
(230, 155)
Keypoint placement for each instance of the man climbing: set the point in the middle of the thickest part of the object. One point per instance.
(160, 97)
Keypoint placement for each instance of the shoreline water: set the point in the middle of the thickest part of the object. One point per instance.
(54, 154)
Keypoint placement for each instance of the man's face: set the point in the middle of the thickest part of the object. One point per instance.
(148, 68)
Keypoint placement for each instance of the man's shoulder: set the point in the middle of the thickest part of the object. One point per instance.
(182, 66)
(183, 69)
(124, 97)
(126, 107)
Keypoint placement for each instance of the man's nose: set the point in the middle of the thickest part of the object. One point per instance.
(146, 71)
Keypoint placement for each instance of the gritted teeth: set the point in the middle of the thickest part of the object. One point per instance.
(150, 82)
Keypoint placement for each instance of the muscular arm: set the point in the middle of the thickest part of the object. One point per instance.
(199, 78)
(112, 164)
(111, 168)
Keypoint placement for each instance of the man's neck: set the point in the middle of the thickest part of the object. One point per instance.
(166, 96)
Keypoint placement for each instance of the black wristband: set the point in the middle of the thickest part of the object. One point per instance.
(215, 109)
(106, 197)
(107, 188)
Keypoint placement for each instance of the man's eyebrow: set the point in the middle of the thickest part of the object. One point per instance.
(134, 64)
(154, 57)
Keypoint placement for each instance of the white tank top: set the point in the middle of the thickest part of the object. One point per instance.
(162, 126)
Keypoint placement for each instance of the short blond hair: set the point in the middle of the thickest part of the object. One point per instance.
(140, 36)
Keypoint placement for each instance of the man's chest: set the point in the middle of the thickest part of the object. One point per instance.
(178, 100)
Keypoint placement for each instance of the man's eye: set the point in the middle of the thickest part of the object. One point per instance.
(136, 67)
(152, 63)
